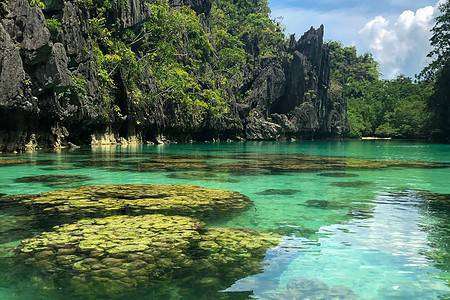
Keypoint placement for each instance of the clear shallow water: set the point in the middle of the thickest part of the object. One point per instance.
(377, 238)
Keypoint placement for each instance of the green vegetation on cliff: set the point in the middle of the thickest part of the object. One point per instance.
(177, 68)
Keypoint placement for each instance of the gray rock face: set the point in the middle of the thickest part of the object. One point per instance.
(74, 28)
(12, 74)
(32, 70)
(260, 129)
(26, 26)
(131, 12)
(54, 72)
(297, 93)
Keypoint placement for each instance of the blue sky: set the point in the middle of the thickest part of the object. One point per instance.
(395, 31)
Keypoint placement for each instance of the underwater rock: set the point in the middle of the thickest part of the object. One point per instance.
(106, 200)
(14, 162)
(302, 288)
(59, 168)
(11, 162)
(317, 203)
(431, 197)
(283, 192)
(122, 252)
(173, 164)
(205, 176)
(352, 184)
(250, 164)
(295, 230)
(338, 174)
(323, 204)
(310, 163)
(110, 164)
(56, 180)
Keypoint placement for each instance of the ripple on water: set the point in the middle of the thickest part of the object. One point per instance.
(384, 255)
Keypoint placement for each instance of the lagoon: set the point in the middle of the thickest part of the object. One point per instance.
(356, 219)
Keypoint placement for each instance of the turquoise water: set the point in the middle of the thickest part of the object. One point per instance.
(363, 233)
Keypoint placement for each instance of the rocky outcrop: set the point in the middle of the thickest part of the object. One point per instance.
(33, 69)
(54, 92)
(295, 95)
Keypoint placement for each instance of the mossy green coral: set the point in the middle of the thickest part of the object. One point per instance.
(252, 164)
(109, 200)
(120, 252)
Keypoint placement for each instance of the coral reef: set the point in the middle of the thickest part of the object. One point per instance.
(119, 252)
(108, 200)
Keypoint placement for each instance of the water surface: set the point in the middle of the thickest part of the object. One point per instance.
(348, 233)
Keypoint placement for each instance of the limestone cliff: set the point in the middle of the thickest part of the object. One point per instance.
(66, 77)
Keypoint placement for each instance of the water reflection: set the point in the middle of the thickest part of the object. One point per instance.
(381, 257)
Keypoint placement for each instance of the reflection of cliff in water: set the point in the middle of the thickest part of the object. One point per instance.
(398, 252)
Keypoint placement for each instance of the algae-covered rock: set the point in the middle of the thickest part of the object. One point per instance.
(204, 176)
(233, 253)
(54, 180)
(109, 200)
(137, 249)
(338, 174)
(173, 164)
(121, 252)
(6, 162)
(11, 162)
(282, 192)
(352, 184)
(311, 163)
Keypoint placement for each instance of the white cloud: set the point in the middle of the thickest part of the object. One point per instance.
(400, 44)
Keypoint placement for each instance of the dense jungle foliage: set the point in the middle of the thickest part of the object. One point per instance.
(377, 107)
(438, 72)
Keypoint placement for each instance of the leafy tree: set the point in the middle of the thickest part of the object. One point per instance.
(389, 108)
(439, 72)
(386, 108)
(347, 65)
(440, 42)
